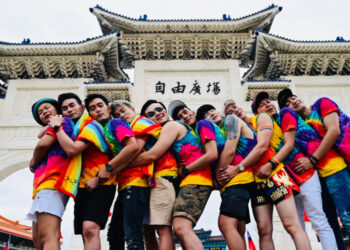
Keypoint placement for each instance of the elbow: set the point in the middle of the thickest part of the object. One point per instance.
(70, 153)
(212, 157)
(262, 149)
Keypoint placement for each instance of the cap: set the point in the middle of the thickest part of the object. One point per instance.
(174, 108)
(226, 103)
(202, 110)
(36, 105)
(258, 98)
(283, 96)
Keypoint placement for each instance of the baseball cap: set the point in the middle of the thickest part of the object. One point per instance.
(36, 105)
(174, 108)
(283, 96)
(258, 98)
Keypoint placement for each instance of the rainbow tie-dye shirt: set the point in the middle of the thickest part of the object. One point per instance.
(207, 130)
(276, 144)
(307, 140)
(321, 108)
(244, 146)
(47, 173)
(141, 176)
(189, 149)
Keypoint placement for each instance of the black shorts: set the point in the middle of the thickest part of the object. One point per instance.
(93, 206)
(235, 200)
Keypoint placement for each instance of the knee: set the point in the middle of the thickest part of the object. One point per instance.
(90, 230)
(291, 226)
(180, 230)
(223, 225)
(265, 229)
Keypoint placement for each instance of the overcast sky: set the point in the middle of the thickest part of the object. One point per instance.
(70, 20)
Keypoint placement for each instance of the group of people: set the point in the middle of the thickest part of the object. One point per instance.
(165, 170)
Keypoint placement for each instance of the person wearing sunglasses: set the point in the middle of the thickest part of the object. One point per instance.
(162, 196)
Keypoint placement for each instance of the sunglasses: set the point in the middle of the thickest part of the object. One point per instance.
(151, 113)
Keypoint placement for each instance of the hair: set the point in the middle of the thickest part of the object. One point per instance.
(147, 104)
(117, 103)
(62, 97)
(91, 97)
(177, 110)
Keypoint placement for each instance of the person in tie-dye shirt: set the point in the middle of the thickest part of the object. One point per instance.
(162, 196)
(273, 185)
(196, 184)
(333, 126)
(235, 187)
(95, 195)
(134, 182)
(48, 202)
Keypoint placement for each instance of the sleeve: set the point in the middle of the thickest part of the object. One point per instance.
(205, 131)
(121, 129)
(288, 120)
(50, 131)
(326, 106)
(145, 127)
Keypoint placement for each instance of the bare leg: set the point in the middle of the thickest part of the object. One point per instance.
(166, 240)
(288, 213)
(149, 236)
(241, 230)
(263, 217)
(229, 228)
(49, 231)
(91, 233)
(35, 236)
(183, 231)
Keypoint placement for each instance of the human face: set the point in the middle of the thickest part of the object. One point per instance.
(296, 104)
(124, 112)
(186, 116)
(157, 113)
(45, 111)
(99, 110)
(233, 108)
(214, 116)
(72, 109)
(267, 105)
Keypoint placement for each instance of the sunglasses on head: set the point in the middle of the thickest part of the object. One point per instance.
(151, 113)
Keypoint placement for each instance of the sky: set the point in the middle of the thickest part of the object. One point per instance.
(67, 20)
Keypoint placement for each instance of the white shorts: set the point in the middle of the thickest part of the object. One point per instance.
(50, 201)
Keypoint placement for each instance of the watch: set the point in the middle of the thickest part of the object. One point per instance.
(241, 167)
(108, 167)
(56, 128)
(184, 171)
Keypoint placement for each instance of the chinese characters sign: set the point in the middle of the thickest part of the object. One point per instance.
(194, 88)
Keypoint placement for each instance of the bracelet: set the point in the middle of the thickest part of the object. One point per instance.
(184, 171)
(57, 128)
(275, 160)
(314, 159)
(274, 164)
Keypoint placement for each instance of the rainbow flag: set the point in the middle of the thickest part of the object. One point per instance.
(86, 129)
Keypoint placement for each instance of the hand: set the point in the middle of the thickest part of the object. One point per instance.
(92, 184)
(181, 172)
(264, 171)
(216, 185)
(227, 174)
(103, 175)
(56, 120)
(303, 164)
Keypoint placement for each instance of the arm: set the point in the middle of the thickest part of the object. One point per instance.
(42, 148)
(331, 122)
(69, 146)
(224, 171)
(43, 131)
(211, 154)
(167, 138)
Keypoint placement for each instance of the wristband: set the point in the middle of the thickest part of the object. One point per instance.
(314, 159)
(275, 160)
(273, 163)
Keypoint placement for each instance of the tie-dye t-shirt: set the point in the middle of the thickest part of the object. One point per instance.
(307, 140)
(141, 176)
(276, 144)
(321, 108)
(189, 149)
(244, 146)
(47, 173)
(93, 156)
(207, 130)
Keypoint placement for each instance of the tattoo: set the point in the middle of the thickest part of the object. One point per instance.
(265, 128)
(231, 123)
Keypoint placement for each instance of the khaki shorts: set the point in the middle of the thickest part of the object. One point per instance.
(191, 201)
(162, 200)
